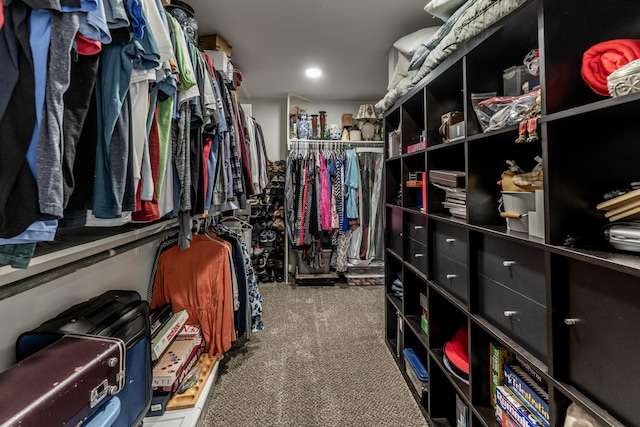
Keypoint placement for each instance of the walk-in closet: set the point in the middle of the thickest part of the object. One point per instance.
(315, 213)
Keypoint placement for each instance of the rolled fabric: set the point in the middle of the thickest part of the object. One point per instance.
(604, 58)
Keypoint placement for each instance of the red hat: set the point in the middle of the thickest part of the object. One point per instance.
(457, 350)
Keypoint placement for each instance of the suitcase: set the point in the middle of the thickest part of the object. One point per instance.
(63, 384)
(120, 314)
(106, 415)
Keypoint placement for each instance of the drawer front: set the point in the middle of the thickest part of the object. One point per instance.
(450, 241)
(451, 276)
(601, 324)
(519, 317)
(417, 255)
(416, 228)
(518, 267)
(394, 236)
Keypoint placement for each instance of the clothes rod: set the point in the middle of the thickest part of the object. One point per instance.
(313, 143)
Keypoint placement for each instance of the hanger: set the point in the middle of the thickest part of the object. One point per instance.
(245, 224)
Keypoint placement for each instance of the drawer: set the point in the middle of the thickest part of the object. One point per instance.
(416, 228)
(394, 236)
(601, 325)
(451, 276)
(518, 267)
(519, 317)
(417, 255)
(450, 241)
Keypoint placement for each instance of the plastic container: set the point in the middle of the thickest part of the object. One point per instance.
(304, 268)
(416, 371)
(518, 202)
(513, 78)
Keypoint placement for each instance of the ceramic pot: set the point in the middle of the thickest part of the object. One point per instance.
(304, 126)
(335, 133)
(314, 127)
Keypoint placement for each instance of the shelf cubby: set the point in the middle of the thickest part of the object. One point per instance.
(565, 305)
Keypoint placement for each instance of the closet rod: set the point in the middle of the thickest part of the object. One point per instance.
(311, 143)
(28, 283)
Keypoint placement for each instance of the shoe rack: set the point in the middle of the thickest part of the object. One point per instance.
(267, 218)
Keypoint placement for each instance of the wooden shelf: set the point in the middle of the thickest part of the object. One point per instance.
(562, 295)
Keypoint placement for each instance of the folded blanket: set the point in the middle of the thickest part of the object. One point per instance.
(604, 58)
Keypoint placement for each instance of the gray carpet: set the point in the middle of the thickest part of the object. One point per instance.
(321, 361)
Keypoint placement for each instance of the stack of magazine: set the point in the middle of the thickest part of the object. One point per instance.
(453, 183)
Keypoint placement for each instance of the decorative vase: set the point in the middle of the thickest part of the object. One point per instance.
(335, 133)
(293, 127)
(304, 126)
(324, 133)
(314, 126)
(345, 134)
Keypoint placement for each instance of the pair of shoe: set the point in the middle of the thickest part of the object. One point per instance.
(267, 236)
(258, 249)
(278, 212)
(278, 224)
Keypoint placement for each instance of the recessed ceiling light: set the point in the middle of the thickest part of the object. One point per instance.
(313, 73)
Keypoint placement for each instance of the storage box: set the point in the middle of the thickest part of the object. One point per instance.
(416, 147)
(457, 131)
(304, 268)
(415, 371)
(520, 203)
(215, 42)
(514, 78)
(364, 279)
(453, 179)
(221, 63)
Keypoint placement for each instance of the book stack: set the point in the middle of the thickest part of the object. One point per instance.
(521, 400)
(453, 183)
(625, 206)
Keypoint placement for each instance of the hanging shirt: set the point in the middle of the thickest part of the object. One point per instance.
(199, 280)
(351, 182)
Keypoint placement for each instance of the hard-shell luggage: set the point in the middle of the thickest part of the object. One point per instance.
(64, 383)
(106, 415)
(120, 314)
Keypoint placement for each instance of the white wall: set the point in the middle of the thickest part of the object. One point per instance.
(130, 271)
(271, 114)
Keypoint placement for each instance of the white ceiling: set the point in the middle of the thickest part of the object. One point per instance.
(274, 41)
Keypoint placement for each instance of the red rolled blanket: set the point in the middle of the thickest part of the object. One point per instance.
(604, 58)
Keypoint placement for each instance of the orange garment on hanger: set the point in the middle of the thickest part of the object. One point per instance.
(198, 279)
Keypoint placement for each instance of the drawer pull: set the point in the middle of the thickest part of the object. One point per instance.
(509, 313)
(571, 322)
(450, 240)
(508, 263)
(418, 255)
(451, 276)
(417, 227)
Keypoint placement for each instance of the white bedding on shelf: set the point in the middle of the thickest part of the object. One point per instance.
(471, 19)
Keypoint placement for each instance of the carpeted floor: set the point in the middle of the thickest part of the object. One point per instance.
(321, 361)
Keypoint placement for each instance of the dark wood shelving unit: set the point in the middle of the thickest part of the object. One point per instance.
(560, 310)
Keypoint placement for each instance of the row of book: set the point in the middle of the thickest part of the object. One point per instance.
(517, 397)
(177, 356)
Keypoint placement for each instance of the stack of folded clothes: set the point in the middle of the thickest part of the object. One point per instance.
(396, 287)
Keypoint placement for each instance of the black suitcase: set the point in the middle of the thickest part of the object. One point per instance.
(120, 314)
(64, 383)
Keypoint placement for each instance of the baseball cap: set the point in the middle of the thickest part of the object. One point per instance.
(457, 350)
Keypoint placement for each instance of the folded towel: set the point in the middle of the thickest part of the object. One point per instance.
(604, 58)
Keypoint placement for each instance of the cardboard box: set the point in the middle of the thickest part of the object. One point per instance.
(174, 363)
(168, 332)
(215, 42)
(499, 357)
